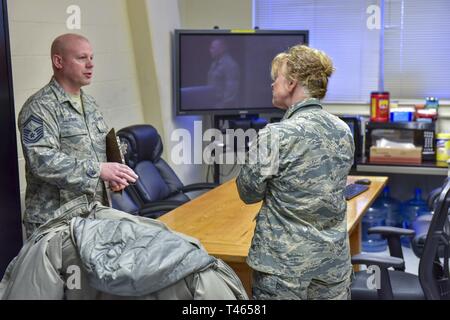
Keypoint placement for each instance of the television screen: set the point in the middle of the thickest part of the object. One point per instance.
(226, 71)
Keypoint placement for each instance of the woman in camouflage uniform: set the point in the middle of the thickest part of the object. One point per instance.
(300, 249)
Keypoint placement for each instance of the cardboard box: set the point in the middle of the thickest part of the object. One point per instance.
(396, 155)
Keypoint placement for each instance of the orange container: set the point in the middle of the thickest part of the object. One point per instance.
(379, 106)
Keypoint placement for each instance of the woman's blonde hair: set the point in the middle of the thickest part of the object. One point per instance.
(310, 67)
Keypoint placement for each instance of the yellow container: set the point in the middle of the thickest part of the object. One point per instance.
(442, 146)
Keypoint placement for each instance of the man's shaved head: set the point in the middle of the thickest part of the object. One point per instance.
(72, 61)
(60, 44)
(217, 48)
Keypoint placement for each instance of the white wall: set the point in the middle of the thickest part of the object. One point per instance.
(205, 14)
(163, 18)
(145, 60)
(33, 26)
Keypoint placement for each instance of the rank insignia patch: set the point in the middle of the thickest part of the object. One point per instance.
(33, 129)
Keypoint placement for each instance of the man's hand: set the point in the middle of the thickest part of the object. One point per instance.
(115, 187)
(117, 174)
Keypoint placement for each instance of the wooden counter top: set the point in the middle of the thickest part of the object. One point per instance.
(225, 225)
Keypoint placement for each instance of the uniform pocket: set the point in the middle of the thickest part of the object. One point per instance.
(71, 131)
(75, 141)
(101, 126)
(100, 134)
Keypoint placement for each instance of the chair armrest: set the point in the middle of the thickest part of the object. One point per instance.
(199, 186)
(384, 288)
(387, 231)
(380, 261)
(392, 234)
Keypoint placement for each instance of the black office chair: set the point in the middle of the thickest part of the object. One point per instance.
(157, 184)
(433, 281)
(129, 201)
(422, 223)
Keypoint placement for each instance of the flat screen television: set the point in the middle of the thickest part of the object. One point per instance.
(227, 71)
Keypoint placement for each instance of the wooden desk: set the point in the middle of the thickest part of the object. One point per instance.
(225, 225)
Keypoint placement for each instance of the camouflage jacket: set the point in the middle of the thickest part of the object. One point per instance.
(63, 148)
(301, 229)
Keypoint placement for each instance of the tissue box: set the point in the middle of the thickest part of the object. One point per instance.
(396, 155)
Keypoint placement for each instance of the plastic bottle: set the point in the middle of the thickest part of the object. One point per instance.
(411, 209)
(375, 216)
(392, 205)
(431, 103)
(442, 146)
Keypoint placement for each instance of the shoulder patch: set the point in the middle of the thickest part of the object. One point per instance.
(33, 129)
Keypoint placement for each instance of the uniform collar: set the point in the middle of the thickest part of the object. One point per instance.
(63, 97)
(302, 105)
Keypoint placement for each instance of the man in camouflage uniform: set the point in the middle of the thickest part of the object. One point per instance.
(223, 75)
(63, 138)
(300, 248)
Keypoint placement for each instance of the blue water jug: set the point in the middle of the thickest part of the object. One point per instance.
(374, 217)
(392, 205)
(411, 209)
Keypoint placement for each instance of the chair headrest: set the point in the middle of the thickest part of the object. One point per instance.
(144, 143)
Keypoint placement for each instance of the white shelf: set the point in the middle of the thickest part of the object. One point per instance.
(423, 170)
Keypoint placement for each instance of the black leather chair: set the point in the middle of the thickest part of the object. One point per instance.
(433, 281)
(158, 186)
(129, 201)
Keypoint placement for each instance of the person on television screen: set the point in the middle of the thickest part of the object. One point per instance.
(300, 248)
(223, 75)
(63, 138)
